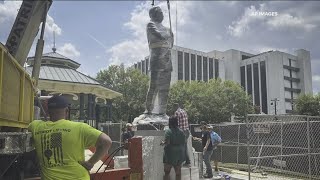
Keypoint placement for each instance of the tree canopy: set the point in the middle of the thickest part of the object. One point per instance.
(308, 104)
(132, 84)
(214, 101)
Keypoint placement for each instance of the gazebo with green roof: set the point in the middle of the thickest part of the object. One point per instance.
(59, 75)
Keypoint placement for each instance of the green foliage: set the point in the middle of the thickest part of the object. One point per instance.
(214, 101)
(308, 104)
(132, 84)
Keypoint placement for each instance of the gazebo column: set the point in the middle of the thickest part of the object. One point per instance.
(109, 106)
(93, 111)
(81, 109)
(89, 108)
(93, 107)
(97, 114)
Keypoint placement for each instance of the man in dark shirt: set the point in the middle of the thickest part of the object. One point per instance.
(126, 135)
(207, 148)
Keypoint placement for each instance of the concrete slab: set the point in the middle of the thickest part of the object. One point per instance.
(153, 155)
(191, 173)
(121, 162)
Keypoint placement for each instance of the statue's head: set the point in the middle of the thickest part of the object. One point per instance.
(156, 14)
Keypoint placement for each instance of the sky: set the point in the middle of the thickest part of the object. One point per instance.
(100, 33)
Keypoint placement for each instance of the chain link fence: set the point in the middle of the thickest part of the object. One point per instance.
(114, 131)
(286, 146)
(232, 151)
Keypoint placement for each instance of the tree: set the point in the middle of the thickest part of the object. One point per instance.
(214, 101)
(132, 84)
(308, 104)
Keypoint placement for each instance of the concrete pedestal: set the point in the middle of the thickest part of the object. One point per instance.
(153, 157)
(121, 162)
(151, 121)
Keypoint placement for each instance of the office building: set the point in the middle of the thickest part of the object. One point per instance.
(270, 77)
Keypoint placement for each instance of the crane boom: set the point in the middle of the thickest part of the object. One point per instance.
(25, 28)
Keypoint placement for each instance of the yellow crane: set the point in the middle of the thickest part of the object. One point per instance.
(17, 88)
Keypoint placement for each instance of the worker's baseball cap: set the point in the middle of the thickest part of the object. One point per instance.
(58, 102)
(209, 127)
(128, 125)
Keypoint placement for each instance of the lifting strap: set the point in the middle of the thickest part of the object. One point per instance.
(168, 4)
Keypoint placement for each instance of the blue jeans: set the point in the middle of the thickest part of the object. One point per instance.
(206, 158)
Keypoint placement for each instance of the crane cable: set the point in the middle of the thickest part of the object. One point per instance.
(168, 4)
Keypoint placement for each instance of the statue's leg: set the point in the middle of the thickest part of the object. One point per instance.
(164, 88)
(151, 95)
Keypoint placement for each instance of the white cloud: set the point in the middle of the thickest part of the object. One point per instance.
(136, 48)
(238, 28)
(8, 10)
(283, 20)
(316, 83)
(261, 49)
(128, 52)
(8, 13)
(52, 26)
(316, 78)
(287, 20)
(218, 37)
(69, 50)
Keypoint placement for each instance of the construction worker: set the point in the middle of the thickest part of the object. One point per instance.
(60, 144)
(125, 136)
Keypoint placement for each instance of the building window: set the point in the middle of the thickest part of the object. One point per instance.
(243, 77)
(263, 75)
(199, 69)
(186, 67)
(180, 66)
(256, 84)
(216, 68)
(210, 68)
(249, 79)
(143, 66)
(147, 66)
(205, 69)
(139, 66)
(193, 67)
(290, 72)
(244, 57)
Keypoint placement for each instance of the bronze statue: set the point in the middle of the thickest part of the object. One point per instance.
(160, 40)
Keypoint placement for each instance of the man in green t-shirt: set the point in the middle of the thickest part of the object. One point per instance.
(60, 144)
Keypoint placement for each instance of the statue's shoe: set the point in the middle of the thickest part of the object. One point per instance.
(147, 112)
